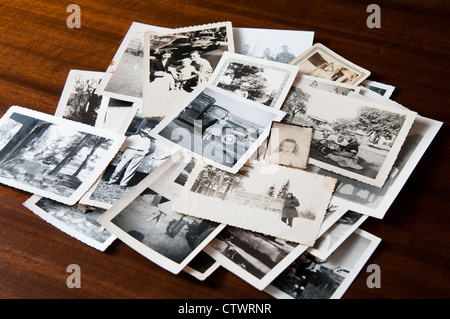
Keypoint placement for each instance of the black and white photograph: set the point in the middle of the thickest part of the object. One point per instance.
(262, 81)
(274, 200)
(311, 278)
(272, 44)
(217, 127)
(202, 266)
(258, 258)
(336, 234)
(144, 220)
(53, 157)
(375, 201)
(319, 61)
(138, 157)
(79, 100)
(382, 89)
(118, 114)
(123, 78)
(177, 61)
(78, 221)
(289, 145)
(352, 137)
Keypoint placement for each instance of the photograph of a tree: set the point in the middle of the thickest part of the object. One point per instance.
(215, 182)
(238, 73)
(295, 103)
(47, 156)
(373, 122)
(83, 103)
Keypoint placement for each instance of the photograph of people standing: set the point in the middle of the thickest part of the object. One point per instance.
(289, 211)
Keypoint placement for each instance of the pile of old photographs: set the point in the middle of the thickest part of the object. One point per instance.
(206, 146)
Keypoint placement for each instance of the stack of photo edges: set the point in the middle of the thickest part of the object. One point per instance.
(206, 146)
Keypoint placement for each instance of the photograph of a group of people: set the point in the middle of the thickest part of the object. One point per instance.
(273, 45)
(181, 61)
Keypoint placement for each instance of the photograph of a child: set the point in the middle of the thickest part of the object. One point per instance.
(289, 145)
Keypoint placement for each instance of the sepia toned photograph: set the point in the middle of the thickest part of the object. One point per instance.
(144, 220)
(289, 145)
(374, 201)
(123, 78)
(79, 100)
(177, 61)
(78, 221)
(352, 137)
(217, 127)
(262, 81)
(271, 44)
(291, 204)
(53, 157)
(138, 157)
(321, 62)
(311, 278)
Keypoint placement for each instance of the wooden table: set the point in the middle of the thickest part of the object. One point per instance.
(409, 51)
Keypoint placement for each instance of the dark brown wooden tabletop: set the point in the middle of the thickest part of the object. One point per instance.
(410, 51)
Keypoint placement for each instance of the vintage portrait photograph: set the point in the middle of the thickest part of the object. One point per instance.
(375, 201)
(291, 204)
(144, 220)
(79, 100)
(271, 44)
(321, 62)
(311, 278)
(53, 157)
(352, 137)
(138, 157)
(78, 221)
(217, 127)
(289, 145)
(123, 78)
(177, 61)
(262, 81)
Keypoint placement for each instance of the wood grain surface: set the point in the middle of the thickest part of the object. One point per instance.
(409, 51)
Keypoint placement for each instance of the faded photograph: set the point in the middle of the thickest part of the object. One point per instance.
(150, 220)
(291, 206)
(289, 145)
(321, 62)
(123, 79)
(260, 81)
(272, 44)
